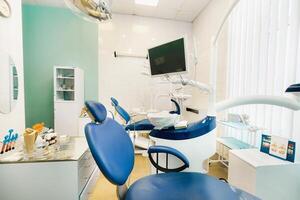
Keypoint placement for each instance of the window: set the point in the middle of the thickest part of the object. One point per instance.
(264, 59)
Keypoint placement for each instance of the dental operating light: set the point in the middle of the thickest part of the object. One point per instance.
(92, 10)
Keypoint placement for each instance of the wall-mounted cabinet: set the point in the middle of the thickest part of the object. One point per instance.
(68, 98)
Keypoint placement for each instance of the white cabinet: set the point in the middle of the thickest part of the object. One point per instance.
(68, 99)
(263, 175)
(82, 122)
(70, 177)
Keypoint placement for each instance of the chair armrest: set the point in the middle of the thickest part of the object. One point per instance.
(167, 150)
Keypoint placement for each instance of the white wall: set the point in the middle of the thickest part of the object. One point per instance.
(204, 28)
(11, 43)
(121, 77)
(5, 83)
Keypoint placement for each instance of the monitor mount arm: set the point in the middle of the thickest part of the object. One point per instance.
(202, 87)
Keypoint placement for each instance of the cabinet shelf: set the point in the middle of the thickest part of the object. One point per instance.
(71, 78)
(65, 84)
(65, 90)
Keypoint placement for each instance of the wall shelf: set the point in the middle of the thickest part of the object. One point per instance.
(65, 78)
(65, 90)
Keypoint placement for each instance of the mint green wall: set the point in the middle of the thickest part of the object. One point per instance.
(55, 36)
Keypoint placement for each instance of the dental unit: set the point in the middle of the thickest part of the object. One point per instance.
(198, 140)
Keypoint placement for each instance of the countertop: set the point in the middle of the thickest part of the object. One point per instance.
(257, 159)
(71, 150)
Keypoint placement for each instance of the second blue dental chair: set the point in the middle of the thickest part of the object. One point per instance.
(113, 152)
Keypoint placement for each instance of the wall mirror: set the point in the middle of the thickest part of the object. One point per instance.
(9, 83)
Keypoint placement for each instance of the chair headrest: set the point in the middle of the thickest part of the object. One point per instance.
(97, 110)
(114, 102)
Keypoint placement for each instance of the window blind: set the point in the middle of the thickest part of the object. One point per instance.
(264, 59)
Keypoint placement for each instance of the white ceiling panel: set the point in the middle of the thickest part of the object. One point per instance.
(172, 4)
(193, 5)
(166, 13)
(183, 10)
(186, 15)
(123, 7)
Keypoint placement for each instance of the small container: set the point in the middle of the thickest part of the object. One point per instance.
(29, 141)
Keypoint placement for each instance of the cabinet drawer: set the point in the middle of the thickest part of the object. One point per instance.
(86, 166)
(241, 174)
(88, 189)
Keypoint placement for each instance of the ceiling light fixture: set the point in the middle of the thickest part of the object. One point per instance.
(147, 2)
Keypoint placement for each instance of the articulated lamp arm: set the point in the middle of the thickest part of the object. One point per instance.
(290, 102)
(282, 101)
(203, 88)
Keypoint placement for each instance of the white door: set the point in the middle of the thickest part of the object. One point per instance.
(66, 118)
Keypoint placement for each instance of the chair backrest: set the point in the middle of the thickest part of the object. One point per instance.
(110, 145)
(121, 111)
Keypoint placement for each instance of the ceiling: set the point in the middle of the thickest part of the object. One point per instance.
(183, 10)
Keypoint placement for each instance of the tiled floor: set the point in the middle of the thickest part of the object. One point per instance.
(106, 191)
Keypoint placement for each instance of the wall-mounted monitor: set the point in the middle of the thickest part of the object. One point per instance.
(169, 58)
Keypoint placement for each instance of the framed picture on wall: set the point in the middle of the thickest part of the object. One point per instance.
(278, 147)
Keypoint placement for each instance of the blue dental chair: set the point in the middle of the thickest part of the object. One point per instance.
(143, 125)
(113, 152)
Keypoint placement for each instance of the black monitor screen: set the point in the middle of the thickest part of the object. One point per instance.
(168, 58)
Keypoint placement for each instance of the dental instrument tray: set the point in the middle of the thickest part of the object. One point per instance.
(163, 119)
